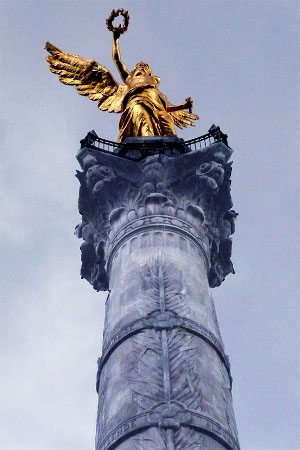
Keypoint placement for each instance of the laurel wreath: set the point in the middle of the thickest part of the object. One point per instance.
(115, 13)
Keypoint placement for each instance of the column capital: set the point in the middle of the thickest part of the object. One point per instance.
(188, 192)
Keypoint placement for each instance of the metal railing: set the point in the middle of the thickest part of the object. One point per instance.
(138, 151)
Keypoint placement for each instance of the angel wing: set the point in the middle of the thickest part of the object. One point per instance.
(89, 78)
(180, 118)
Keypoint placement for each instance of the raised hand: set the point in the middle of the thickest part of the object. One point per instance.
(116, 33)
(189, 104)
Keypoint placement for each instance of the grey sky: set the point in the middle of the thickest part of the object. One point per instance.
(238, 60)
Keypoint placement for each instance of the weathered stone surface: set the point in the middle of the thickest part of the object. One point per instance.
(157, 235)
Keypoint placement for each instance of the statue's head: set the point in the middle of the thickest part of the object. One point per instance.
(143, 68)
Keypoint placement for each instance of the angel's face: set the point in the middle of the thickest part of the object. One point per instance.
(141, 69)
(141, 75)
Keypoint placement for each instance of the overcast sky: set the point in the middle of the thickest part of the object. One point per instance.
(238, 60)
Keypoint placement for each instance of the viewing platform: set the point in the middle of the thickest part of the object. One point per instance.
(138, 148)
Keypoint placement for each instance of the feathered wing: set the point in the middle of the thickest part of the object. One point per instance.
(89, 78)
(180, 118)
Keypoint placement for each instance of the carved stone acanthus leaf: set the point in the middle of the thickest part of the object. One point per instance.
(115, 192)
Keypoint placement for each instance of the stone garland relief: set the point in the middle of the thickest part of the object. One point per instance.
(110, 202)
(163, 289)
(162, 379)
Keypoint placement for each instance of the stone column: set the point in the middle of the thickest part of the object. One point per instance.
(156, 236)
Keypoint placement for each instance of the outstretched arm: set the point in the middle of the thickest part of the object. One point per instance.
(187, 105)
(117, 57)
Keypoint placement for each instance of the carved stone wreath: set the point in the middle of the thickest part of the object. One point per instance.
(115, 13)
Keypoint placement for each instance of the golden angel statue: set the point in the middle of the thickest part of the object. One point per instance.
(145, 110)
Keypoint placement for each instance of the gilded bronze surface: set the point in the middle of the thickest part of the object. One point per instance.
(145, 110)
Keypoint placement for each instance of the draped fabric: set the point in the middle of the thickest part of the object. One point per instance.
(145, 114)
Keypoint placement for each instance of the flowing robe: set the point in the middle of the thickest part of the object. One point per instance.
(144, 114)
